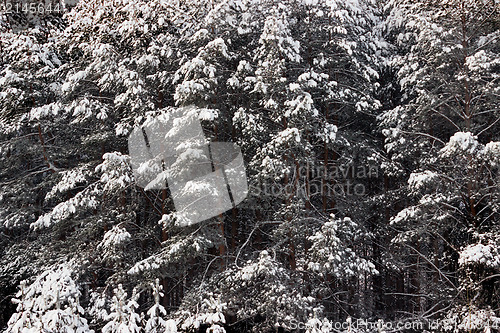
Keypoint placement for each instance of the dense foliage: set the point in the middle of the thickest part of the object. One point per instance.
(370, 132)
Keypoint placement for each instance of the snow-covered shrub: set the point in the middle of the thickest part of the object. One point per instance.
(49, 304)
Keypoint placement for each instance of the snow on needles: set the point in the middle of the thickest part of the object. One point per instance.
(460, 142)
(487, 255)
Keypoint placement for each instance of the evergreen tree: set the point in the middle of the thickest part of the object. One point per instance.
(440, 135)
